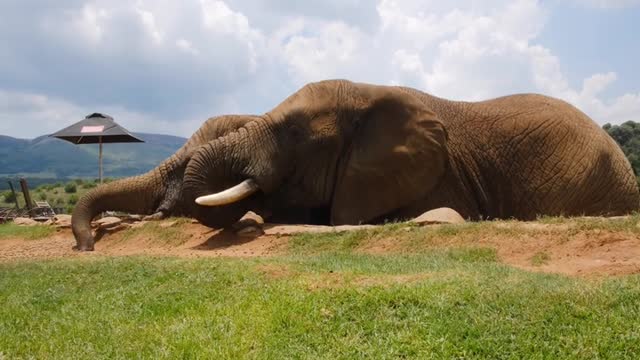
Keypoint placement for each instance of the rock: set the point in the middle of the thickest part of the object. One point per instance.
(62, 221)
(439, 216)
(134, 218)
(25, 221)
(157, 216)
(168, 224)
(107, 222)
(250, 231)
(249, 219)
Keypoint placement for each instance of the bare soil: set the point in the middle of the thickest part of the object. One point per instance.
(540, 247)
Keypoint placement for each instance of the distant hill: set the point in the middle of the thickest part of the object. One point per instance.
(54, 159)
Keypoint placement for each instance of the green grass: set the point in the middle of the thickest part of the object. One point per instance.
(12, 230)
(55, 194)
(540, 258)
(455, 303)
(321, 298)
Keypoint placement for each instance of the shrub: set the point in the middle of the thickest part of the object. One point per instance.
(89, 185)
(58, 184)
(73, 199)
(70, 188)
(9, 196)
(42, 196)
(79, 181)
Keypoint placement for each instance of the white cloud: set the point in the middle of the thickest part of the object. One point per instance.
(89, 23)
(37, 114)
(168, 65)
(149, 23)
(186, 46)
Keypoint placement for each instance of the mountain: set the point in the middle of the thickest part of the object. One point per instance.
(51, 158)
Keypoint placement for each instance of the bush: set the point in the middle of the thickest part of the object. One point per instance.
(9, 196)
(73, 199)
(79, 181)
(89, 185)
(42, 196)
(70, 188)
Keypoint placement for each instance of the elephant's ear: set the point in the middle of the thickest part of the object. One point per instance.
(398, 155)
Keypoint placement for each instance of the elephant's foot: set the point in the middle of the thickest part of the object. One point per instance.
(156, 216)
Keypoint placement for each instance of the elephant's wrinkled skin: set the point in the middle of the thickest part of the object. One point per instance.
(344, 153)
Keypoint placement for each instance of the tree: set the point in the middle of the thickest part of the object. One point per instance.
(627, 135)
(70, 188)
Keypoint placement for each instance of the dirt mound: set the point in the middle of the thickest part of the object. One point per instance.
(557, 248)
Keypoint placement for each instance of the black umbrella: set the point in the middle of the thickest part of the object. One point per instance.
(96, 129)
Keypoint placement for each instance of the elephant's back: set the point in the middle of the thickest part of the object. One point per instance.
(551, 158)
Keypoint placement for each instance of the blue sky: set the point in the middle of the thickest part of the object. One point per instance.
(590, 39)
(164, 66)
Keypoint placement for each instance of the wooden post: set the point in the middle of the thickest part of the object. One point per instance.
(25, 193)
(100, 160)
(15, 196)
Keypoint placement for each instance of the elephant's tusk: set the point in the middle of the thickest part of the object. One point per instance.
(230, 195)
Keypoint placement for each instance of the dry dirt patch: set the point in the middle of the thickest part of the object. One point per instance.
(557, 248)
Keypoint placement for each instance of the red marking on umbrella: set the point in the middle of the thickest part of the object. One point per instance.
(92, 129)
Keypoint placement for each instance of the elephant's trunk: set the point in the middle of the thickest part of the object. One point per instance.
(138, 195)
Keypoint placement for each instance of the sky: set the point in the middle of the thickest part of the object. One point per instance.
(165, 66)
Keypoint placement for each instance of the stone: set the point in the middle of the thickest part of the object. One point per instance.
(439, 216)
(250, 231)
(107, 222)
(249, 219)
(25, 221)
(168, 224)
(62, 221)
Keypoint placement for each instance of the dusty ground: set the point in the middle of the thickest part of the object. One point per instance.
(555, 248)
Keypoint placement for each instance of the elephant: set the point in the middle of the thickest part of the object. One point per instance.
(340, 152)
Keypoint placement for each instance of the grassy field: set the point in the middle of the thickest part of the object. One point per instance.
(320, 299)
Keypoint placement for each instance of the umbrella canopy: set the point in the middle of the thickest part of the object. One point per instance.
(96, 129)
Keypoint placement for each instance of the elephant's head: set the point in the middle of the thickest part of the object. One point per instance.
(358, 151)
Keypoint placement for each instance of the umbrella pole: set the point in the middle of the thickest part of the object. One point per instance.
(100, 161)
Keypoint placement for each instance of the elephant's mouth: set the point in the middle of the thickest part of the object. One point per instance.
(223, 208)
